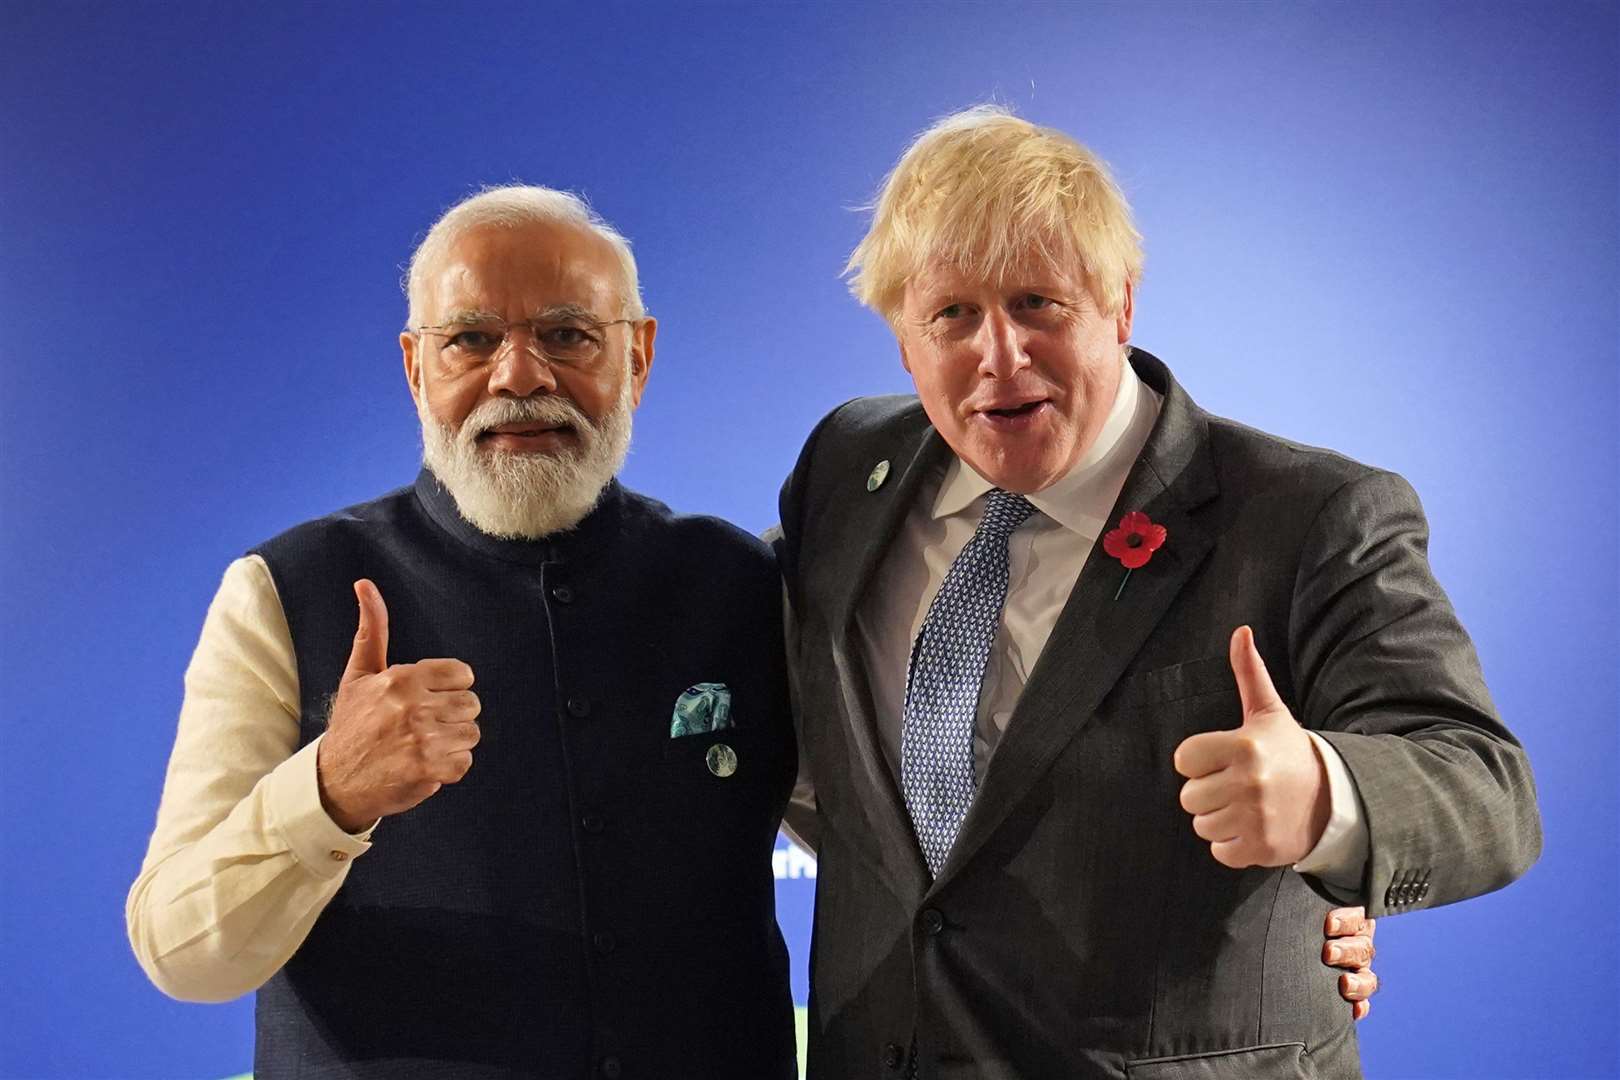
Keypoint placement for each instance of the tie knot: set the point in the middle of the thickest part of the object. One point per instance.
(1004, 511)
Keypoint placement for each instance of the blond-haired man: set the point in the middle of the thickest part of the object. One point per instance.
(1103, 696)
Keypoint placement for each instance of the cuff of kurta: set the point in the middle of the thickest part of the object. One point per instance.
(296, 815)
(1340, 855)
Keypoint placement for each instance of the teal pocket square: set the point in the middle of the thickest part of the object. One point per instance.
(704, 707)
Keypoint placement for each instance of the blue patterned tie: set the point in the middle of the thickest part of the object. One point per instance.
(947, 669)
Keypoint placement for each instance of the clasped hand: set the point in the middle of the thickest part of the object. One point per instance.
(1257, 793)
(397, 733)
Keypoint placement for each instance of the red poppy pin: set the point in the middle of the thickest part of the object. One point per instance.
(1133, 543)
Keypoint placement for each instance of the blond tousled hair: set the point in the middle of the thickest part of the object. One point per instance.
(984, 190)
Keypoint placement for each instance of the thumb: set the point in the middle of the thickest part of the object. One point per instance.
(370, 653)
(1253, 680)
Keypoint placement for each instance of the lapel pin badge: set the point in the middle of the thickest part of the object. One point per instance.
(722, 760)
(1134, 543)
(879, 473)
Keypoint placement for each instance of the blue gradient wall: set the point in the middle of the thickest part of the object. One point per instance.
(1390, 229)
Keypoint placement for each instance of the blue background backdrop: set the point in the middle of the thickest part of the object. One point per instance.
(1388, 229)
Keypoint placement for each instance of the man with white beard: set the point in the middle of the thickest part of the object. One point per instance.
(515, 817)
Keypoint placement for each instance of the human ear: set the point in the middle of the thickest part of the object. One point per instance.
(408, 348)
(1126, 311)
(641, 356)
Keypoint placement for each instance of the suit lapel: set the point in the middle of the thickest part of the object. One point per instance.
(1096, 635)
(916, 453)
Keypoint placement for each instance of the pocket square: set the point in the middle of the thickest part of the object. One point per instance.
(702, 708)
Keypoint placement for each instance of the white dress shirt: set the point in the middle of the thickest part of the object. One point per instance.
(1045, 557)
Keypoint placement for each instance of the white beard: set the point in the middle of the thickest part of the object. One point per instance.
(527, 496)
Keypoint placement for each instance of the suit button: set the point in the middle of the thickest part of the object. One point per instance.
(611, 1068)
(893, 1056)
(604, 942)
(579, 707)
(562, 594)
(933, 922)
(592, 823)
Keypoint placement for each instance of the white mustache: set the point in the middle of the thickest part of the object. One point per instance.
(545, 410)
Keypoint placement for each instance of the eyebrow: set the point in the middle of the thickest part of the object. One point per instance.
(550, 313)
(469, 317)
(568, 311)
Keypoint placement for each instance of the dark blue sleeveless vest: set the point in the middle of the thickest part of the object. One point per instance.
(591, 899)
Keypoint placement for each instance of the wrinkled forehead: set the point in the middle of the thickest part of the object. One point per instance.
(1037, 262)
(517, 271)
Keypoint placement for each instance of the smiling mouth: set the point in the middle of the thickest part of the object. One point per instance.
(1015, 410)
(541, 438)
(526, 432)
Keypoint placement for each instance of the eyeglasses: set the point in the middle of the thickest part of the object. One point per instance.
(572, 341)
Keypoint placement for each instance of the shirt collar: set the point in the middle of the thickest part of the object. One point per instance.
(1082, 498)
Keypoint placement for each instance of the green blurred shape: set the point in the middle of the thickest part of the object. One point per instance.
(801, 1028)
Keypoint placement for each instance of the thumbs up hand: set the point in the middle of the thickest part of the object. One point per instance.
(1258, 793)
(396, 734)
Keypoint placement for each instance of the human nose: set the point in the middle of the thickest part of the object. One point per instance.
(1001, 348)
(520, 368)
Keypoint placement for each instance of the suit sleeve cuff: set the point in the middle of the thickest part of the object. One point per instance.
(1340, 855)
(296, 815)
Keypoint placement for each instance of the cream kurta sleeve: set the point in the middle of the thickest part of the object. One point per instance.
(243, 857)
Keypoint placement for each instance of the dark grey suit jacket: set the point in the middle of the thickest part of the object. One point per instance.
(1080, 928)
